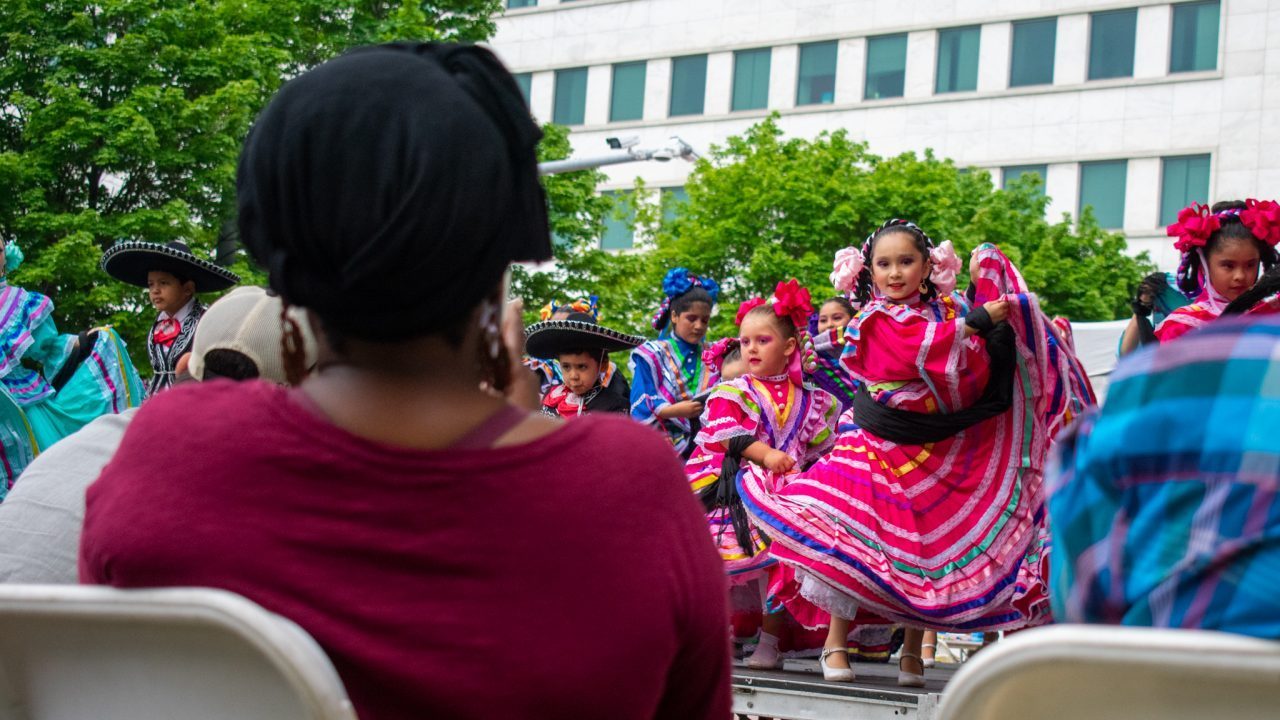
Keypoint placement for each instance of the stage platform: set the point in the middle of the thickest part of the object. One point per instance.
(798, 692)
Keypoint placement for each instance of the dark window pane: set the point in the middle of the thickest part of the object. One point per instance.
(1111, 41)
(1195, 37)
(619, 222)
(525, 81)
(1015, 172)
(958, 60)
(1186, 180)
(571, 97)
(817, 84)
(521, 3)
(688, 85)
(1034, 43)
(673, 201)
(886, 66)
(751, 79)
(627, 101)
(1102, 186)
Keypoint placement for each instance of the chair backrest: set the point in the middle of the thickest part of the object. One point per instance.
(77, 652)
(1105, 673)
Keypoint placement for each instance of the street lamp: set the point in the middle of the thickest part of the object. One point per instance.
(676, 148)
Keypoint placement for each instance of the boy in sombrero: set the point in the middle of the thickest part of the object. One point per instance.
(172, 276)
(582, 348)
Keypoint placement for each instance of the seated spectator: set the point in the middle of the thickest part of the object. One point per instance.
(239, 338)
(455, 555)
(1163, 505)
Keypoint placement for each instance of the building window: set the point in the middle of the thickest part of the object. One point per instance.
(1185, 180)
(1102, 187)
(1034, 43)
(1111, 42)
(619, 222)
(957, 60)
(1014, 172)
(688, 85)
(525, 82)
(886, 66)
(673, 201)
(1195, 37)
(570, 103)
(817, 84)
(522, 3)
(751, 79)
(627, 101)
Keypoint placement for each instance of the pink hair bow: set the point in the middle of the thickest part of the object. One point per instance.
(848, 267)
(1262, 217)
(1195, 225)
(946, 266)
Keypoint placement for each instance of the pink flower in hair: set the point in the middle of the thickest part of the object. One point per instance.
(848, 267)
(1194, 227)
(1262, 217)
(946, 265)
(714, 355)
(747, 307)
(792, 301)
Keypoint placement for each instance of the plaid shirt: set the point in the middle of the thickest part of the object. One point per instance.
(1164, 505)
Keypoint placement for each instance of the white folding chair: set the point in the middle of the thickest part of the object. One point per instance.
(1094, 672)
(80, 653)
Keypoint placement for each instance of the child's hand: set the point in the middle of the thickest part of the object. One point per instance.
(682, 409)
(998, 310)
(778, 461)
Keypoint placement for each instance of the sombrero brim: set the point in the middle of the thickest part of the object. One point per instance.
(546, 340)
(131, 260)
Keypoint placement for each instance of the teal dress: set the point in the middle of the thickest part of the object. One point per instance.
(33, 415)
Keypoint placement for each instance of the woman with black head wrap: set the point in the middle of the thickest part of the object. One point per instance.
(396, 504)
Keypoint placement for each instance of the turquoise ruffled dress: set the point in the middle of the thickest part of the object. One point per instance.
(33, 415)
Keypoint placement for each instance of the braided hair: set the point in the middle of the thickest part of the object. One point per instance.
(923, 245)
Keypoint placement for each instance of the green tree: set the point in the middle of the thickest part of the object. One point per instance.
(124, 119)
(764, 208)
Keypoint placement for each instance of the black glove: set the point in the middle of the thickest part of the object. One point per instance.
(1140, 308)
(980, 320)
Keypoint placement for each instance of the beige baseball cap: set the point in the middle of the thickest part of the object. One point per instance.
(247, 320)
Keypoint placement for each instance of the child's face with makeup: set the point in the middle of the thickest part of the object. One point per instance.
(764, 349)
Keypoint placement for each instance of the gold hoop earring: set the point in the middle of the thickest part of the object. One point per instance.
(924, 288)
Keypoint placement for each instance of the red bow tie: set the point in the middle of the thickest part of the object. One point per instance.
(166, 332)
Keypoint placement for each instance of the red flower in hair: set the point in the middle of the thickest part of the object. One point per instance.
(1262, 217)
(1195, 225)
(792, 301)
(747, 307)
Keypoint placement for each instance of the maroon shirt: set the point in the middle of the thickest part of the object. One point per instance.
(568, 578)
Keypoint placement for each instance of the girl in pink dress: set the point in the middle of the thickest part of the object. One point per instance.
(1225, 249)
(931, 512)
(768, 417)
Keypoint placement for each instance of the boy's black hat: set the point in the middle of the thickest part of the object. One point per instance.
(547, 339)
(130, 260)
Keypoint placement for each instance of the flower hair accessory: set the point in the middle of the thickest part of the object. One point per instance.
(1262, 217)
(714, 355)
(677, 282)
(746, 307)
(946, 266)
(792, 301)
(590, 305)
(12, 257)
(1194, 227)
(848, 266)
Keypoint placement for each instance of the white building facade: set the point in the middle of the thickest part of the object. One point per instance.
(1135, 108)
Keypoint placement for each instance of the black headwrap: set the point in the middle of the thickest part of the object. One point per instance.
(389, 189)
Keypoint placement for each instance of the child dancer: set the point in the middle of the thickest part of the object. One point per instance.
(548, 371)
(668, 373)
(580, 348)
(931, 512)
(1224, 251)
(768, 417)
(172, 276)
(51, 385)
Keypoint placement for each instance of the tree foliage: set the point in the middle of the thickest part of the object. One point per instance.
(124, 119)
(763, 208)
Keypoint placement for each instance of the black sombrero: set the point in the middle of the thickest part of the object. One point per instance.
(130, 260)
(579, 331)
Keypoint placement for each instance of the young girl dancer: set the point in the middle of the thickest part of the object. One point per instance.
(768, 417)
(1224, 251)
(668, 373)
(930, 513)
